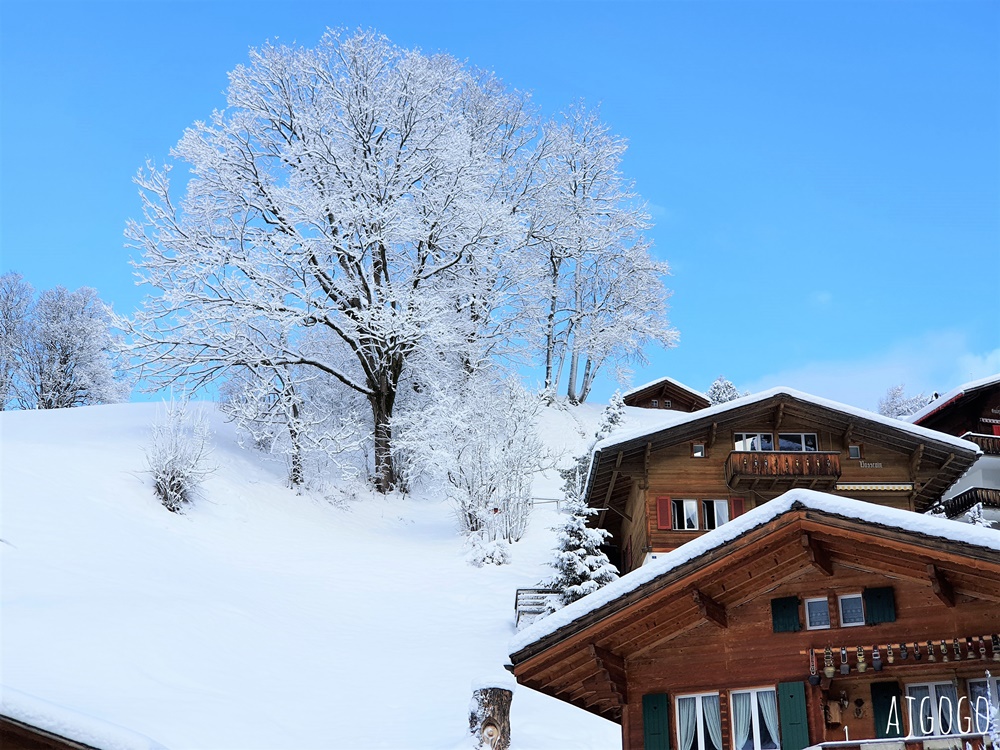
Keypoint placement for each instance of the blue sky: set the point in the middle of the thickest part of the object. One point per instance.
(824, 177)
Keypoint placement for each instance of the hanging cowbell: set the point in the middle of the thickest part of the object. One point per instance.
(862, 664)
(877, 658)
(828, 669)
(845, 668)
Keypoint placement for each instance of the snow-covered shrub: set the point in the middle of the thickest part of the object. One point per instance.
(975, 516)
(612, 416)
(723, 391)
(481, 551)
(477, 438)
(178, 453)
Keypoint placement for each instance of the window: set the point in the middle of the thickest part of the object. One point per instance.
(755, 719)
(716, 513)
(979, 705)
(667, 403)
(797, 441)
(854, 451)
(685, 515)
(852, 610)
(699, 723)
(753, 441)
(932, 709)
(817, 614)
(655, 403)
(698, 450)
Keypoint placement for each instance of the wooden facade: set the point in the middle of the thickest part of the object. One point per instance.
(661, 490)
(729, 623)
(666, 393)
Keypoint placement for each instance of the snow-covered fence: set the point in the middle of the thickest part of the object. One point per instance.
(530, 603)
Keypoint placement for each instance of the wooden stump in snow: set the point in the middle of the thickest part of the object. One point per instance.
(489, 718)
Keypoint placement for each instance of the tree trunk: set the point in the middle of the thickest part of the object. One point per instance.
(489, 718)
(385, 472)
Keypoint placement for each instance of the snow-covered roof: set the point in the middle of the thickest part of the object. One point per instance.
(70, 724)
(660, 381)
(675, 419)
(941, 401)
(868, 513)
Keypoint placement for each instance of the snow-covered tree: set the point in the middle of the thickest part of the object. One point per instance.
(67, 355)
(603, 298)
(581, 567)
(350, 187)
(896, 404)
(15, 301)
(612, 416)
(722, 391)
(976, 517)
(178, 454)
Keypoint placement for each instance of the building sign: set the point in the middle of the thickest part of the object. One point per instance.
(870, 464)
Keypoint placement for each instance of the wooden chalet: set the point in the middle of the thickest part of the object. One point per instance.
(666, 393)
(656, 490)
(971, 411)
(810, 620)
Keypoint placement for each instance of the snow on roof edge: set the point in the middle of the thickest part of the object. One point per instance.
(678, 383)
(945, 398)
(71, 724)
(684, 418)
(867, 512)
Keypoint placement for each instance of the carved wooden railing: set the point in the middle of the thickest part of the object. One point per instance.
(743, 465)
(990, 444)
(989, 497)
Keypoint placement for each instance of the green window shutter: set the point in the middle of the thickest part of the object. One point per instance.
(785, 614)
(655, 727)
(880, 606)
(792, 712)
(888, 720)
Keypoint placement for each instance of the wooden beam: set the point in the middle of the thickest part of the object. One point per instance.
(941, 586)
(612, 674)
(710, 609)
(918, 454)
(947, 462)
(849, 434)
(611, 487)
(712, 434)
(779, 415)
(819, 558)
(644, 484)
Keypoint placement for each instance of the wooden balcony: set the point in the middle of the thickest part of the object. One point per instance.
(989, 497)
(990, 444)
(775, 470)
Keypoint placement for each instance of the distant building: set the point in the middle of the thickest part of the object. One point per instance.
(666, 393)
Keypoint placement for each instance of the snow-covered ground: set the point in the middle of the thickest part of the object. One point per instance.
(260, 618)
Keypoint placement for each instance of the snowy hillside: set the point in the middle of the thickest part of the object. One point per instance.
(260, 618)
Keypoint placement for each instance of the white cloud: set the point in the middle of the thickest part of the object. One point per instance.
(937, 361)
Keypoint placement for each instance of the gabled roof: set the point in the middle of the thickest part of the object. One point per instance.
(850, 532)
(953, 396)
(953, 454)
(655, 386)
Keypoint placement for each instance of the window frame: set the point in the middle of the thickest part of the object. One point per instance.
(699, 740)
(684, 514)
(993, 685)
(654, 403)
(715, 504)
(802, 436)
(752, 435)
(840, 610)
(754, 716)
(860, 448)
(696, 453)
(829, 620)
(956, 722)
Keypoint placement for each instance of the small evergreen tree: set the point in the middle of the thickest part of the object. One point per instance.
(722, 391)
(612, 416)
(581, 567)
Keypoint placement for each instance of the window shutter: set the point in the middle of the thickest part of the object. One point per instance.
(884, 696)
(663, 513)
(792, 712)
(735, 507)
(880, 606)
(785, 614)
(655, 727)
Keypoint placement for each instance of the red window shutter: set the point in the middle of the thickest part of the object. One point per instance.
(735, 507)
(663, 513)
(996, 430)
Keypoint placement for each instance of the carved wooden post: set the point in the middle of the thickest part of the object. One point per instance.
(489, 717)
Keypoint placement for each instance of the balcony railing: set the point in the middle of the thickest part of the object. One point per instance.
(990, 498)
(772, 469)
(530, 604)
(990, 444)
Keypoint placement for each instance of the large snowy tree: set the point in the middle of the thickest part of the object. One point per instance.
(67, 355)
(895, 403)
(350, 187)
(603, 298)
(722, 391)
(15, 301)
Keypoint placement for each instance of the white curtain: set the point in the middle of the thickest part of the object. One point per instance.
(686, 721)
(922, 715)
(769, 709)
(713, 721)
(947, 702)
(741, 718)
